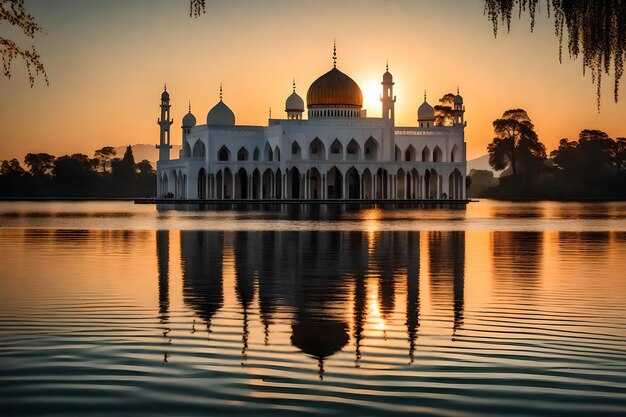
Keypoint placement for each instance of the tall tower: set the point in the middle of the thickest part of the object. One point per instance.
(164, 123)
(388, 99)
(459, 109)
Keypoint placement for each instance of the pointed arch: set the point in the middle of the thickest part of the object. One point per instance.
(296, 150)
(242, 154)
(400, 184)
(256, 184)
(293, 183)
(336, 150)
(268, 154)
(367, 184)
(437, 154)
(455, 154)
(334, 183)
(255, 154)
(315, 184)
(199, 150)
(223, 154)
(353, 150)
(317, 151)
(241, 184)
(187, 150)
(371, 149)
(353, 184)
(277, 154)
(410, 153)
(202, 184)
(425, 154)
(398, 154)
(164, 185)
(267, 184)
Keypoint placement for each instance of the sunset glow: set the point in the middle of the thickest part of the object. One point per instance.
(107, 62)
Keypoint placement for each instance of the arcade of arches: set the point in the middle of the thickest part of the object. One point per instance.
(317, 184)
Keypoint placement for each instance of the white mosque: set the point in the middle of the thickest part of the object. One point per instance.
(337, 152)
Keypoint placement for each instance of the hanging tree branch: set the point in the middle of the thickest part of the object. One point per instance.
(197, 7)
(13, 12)
(596, 29)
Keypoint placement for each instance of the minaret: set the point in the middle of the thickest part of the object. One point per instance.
(164, 123)
(388, 99)
(459, 109)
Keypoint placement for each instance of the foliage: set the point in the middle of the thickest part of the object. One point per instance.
(444, 115)
(105, 155)
(14, 12)
(515, 145)
(480, 181)
(39, 163)
(590, 167)
(596, 29)
(76, 175)
(11, 168)
(197, 7)
(145, 167)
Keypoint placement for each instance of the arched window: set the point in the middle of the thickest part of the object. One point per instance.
(295, 149)
(242, 155)
(199, 150)
(223, 154)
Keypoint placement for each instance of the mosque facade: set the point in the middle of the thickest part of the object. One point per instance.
(336, 152)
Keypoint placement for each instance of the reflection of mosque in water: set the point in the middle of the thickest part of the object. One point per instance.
(317, 281)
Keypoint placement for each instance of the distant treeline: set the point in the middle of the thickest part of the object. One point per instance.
(77, 175)
(592, 167)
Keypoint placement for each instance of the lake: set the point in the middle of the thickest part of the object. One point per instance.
(115, 309)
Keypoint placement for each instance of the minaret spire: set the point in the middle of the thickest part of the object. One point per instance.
(334, 53)
(424, 96)
(164, 86)
(220, 91)
(294, 84)
(189, 106)
(387, 66)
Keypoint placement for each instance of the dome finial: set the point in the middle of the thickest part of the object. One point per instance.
(164, 86)
(387, 66)
(270, 112)
(220, 91)
(424, 96)
(294, 84)
(457, 90)
(189, 106)
(334, 53)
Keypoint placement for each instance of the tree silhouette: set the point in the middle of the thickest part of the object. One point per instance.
(105, 155)
(145, 167)
(197, 7)
(39, 163)
(11, 168)
(596, 30)
(617, 154)
(13, 12)
(444, 116)
(515, 142)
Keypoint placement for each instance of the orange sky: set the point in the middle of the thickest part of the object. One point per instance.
(107, 62)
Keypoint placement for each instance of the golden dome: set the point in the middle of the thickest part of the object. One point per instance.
(334, 89)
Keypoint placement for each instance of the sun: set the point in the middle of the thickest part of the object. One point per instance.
(371, 98)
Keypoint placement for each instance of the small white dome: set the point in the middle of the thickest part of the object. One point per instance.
(294, 103)
(189, 120)
(426, 112)
(220, 115)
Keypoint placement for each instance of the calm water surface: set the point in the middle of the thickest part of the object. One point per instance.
(113, 309)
